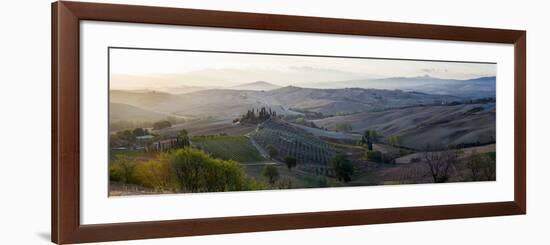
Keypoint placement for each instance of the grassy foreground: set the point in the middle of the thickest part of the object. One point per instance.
(183, 170)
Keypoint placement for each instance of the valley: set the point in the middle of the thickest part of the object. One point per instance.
(311, 137)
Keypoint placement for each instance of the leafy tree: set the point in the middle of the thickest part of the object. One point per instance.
(155, 174)
(290, 162)
(258, 115)
(122, 138)
(271, 173)
(322, 181)
(375, 156)
(394, 140)
(272, 151)
(162, 124)
(122, 169)
(139, 132)
(183, 136)
(370, 137)
(195, 171)
(342, 167)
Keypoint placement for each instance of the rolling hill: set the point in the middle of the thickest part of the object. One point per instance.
(228, 103)
(351, 100)
(124, 112)
(150, 100)
(469, 88)
(423, 125)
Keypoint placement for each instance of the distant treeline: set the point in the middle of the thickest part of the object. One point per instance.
(257, 115)
(121, 125)
(474, 101)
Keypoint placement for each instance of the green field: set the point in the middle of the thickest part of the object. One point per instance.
(236, 148)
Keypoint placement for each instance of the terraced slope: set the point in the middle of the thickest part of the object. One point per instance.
(293, 141)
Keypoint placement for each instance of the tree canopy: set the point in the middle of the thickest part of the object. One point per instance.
(271, 173)
(272, 151)
(162, 124)
(342, 167)
(258, 116)
(196, 171)
(370, 137)
(290, 162)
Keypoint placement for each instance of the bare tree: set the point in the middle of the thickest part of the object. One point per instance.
(441, 163)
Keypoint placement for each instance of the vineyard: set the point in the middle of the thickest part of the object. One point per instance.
(236, 148)
(309, 151)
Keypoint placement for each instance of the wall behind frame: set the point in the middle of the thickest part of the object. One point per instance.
(25, 106)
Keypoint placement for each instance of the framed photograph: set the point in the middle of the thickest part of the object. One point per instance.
(177, 122)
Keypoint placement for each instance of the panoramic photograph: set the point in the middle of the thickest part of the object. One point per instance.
(189, 121)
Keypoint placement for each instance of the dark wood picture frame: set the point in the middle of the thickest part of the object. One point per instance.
(65, 175)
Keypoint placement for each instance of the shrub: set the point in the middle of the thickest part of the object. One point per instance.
(290, 162)
(195, 171)
(183, 170)
(122, 138)
(253, 185)
(394, 140)
(140, 132)
(369, 138)
(121, 169)
(271, 173)
(482, 166)
(342, 167)
(322, 182)
(155, 174)
(272, 151)
(375, 156)
(284, 183)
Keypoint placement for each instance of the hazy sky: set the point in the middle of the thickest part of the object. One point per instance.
(150, 69)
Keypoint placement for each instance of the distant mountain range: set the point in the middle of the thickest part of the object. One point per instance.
(258, 86)
(184, 89)
(469, 88)
(181, 89)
